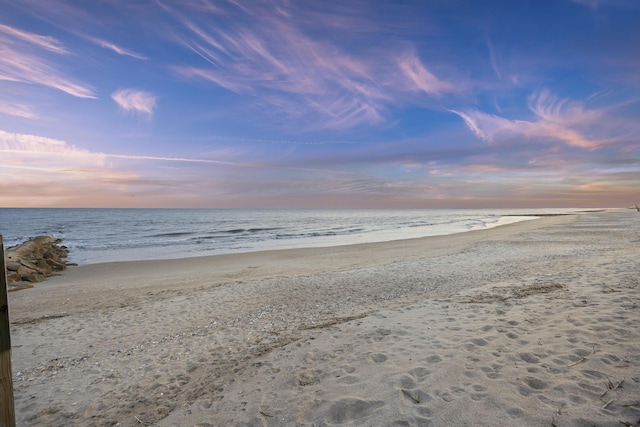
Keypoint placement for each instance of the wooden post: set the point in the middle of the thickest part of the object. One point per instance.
(7, 410)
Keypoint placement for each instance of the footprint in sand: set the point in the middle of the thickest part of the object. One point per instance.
(348, 410)
(446, 396)
(536, 383)
(493, 371)
(434, 359)
(577, 399)
(379, 358)
(592, 390)
(348, 379)
(610, 358)
(478, 392)
(405, 382)
(515, 412)
(470, 373)
(307, 378)
(419, 372)
(481, 342)
(529, 357)
(593, 374)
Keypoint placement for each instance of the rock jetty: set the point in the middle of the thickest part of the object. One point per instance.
(34, 260)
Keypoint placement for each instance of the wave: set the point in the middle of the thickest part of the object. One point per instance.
(326, 233)
(245, 230)
(106, 235)
(174, 234)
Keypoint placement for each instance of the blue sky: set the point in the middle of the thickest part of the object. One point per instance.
(207, 103)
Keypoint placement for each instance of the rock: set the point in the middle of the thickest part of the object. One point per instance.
(44, 267)
(33, 277)
(13, 277)
(26, 263)
(34, 260)
(56, 265)
(24, 271)
(13, 266)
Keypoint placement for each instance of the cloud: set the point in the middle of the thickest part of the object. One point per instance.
(69, 18)
(42, 171)
(58, 173)
(45, 42)
(282, 57)
(493, 58)
(135, 100)
(555, 119)
(472, 120)
(22, 61)
(117, 49)
(549, 108)
(17, 110)
(421, 77)
(43, 150)
(32, 150)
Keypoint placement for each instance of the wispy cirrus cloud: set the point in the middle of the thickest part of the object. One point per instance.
(30, 150)
(23, 149)
(135, 100)
(555, 119)
(17, 109)
(275, 53)
(420, 78)
(22, 60)
(549, 108)
(117, 49)
(45, 42)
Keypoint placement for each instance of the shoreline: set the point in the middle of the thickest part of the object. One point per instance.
(92, 245)
(159, 275)
(430, 330)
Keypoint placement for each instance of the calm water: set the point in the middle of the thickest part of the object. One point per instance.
(102, 235)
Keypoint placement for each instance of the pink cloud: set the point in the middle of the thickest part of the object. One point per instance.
(117, 49)
(24, 150)
(556, 119)
(42, 171)
(20, 63)
(17, 110)
(563, 112)
(420, 77)
(271, 55)
(477, 121)
(44, 42)
(135, 100)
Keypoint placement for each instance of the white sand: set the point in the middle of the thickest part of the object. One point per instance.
(535, 323)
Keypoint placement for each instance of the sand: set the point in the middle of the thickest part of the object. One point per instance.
(532, 324)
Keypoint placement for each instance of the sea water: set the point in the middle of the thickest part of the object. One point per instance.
(104, 235)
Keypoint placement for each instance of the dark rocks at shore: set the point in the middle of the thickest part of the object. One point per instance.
(33, 261)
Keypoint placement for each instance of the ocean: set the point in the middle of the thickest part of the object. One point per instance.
(105, 235)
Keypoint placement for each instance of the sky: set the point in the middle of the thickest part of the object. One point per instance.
(320, 104)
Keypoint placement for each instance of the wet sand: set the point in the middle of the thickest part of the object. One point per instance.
(533, 323)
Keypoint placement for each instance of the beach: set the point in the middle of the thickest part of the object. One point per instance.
(535, 323)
